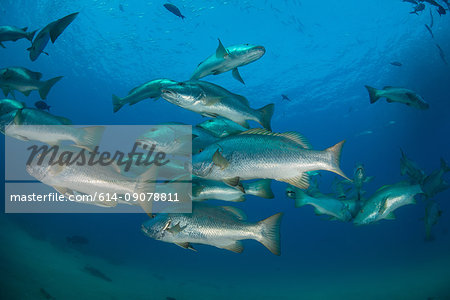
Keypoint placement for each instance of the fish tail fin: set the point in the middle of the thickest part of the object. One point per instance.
(90, 137)
(30, 35)
(270, 233)
(146, 183)
(266, 113)
(335, 154)
(372, 94)
(260, 188)
(45, 88)
(117, 103)
(444, 166)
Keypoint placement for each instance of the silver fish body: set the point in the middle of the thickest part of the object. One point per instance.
(211, 100)
(226, 59)
(150, 89)
(258, 153)
(397, 94)
(385, 201)
(220, 226)
(25, 81)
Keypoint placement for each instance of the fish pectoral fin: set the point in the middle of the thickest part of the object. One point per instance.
(63, 190)
(186, 245)
(389, 100)
(390, 216)
(27, 93)
(236, 247)
(221, 52)
(1, 45)
(237, 76)
(236, 212)
(221, 162)
(301, 181)
(212, 101)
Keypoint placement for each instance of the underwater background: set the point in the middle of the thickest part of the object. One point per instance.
(320, 54)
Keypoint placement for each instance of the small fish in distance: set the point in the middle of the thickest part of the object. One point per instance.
(173, 9)
(396, 63)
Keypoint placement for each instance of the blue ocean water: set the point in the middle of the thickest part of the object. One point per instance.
(320, 54)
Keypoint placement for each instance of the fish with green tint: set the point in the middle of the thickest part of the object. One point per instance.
(208, 189)
(221, 127)
(41, 126)
(432, 215)
(261, 154)
(12, 33)
(435, 183)
(385, 201)
(211, 100)
(25, 81)
(230, 58)
(323, 204)
(397, 94)
(9, 105)
(50, 32)
(76, 179)
(411, 169)
(150, 89)
(219, 226)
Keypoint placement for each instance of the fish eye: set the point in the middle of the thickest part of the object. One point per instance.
(200, 150)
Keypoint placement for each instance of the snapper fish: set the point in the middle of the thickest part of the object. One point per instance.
(397, 94)
(432, 215)
(219, 226)
(435, 183)
(150, 89)
(222, 127)
(31, 124)
(323, 204)
(12, 33)
(226, 59)
(385, 201)
(211, 100)
(411, 169)
(258, 153)
(25, 81)
(208, 189)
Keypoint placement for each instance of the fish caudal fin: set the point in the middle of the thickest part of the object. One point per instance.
(266, 113)
(335, 158)
(45, 88)
(146, 183)
(260, 188)
(270, 233)
(30, 35)
(117, 103)
(373, 95)
(91, 137)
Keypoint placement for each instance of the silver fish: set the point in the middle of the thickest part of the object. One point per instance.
(258, 153)
(25, 81)
(72, 179)
(208, 189)
(52, 130)
(211, 100)
(50, 32)
(222, 127)
(323, 205)
(151, 89)
(397, 94)
(12, 33)
(385, 201)
(220, 226)
(359, 178)
(230, 58)
(435, 183)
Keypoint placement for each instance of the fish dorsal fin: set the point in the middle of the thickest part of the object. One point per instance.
(388, 87)
(235, 247)
(301, 181)
(221, 52)
(236, 212)
(293, 136)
